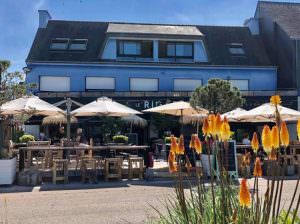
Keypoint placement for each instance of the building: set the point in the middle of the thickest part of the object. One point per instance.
(144, 65)
(277, 23)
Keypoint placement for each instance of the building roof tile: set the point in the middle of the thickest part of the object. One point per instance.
(216, 39)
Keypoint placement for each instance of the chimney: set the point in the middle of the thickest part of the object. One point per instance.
(253, 25)
(44, 16)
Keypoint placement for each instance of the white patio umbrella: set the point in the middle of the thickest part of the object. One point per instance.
(29, 105)
(179, 108)
(58, 119)
(266, 113)
(104, 107)
(233, 114)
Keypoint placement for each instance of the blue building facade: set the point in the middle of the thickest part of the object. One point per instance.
(256, 79)
(133, 62)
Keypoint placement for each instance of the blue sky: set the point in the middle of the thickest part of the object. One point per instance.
(19, 18)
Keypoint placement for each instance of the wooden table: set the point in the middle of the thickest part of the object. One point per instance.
(116, 148)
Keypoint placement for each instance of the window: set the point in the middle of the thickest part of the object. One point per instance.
(241, 84)
(59, 44)
(176, 49)
(78, 44)
(100, 83)
(135, 48)
(143, 84)
(236, 49)
(129, 48)
(55, 83)
(186, 84)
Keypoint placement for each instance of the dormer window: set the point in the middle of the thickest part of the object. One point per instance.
(134, 48)
(236, 49)
(59, 44)
(78, 45)
(176, 49)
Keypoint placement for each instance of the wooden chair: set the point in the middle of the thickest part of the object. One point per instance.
(88, 169)
(135, 164)
(60, 170)
(113, 168)
(40, 157)
(100, 163)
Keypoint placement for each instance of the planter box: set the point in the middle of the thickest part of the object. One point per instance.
(7, 171)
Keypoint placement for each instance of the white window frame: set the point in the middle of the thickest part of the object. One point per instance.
(142, 88)
(44, 88)
(104, 78)
(176, 88)
(240, 80)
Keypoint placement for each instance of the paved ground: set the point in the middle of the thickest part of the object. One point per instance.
(113, 203)
(119, 202)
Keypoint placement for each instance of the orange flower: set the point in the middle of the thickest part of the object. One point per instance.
(275, 100)
(181, 145)
(225, 130)
(254, 142)
(244, 195)
(212, 124)
(205, 127)
(192, 142)
(174, 145)
(218, 124)
(266, 139)
(198, 145)
(257, 172)
(273, 154)
(284, 134)
(171, 160)
(275, 137)
(298, 129)
(246, 159)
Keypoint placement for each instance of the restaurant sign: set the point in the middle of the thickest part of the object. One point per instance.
(144, 104)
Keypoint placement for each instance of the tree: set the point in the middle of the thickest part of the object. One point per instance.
(12, 84)
(217, 96)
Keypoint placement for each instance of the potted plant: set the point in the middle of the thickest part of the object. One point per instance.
(26, 138)
(7, 168)
(120, 139)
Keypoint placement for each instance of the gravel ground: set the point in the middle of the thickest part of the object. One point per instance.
(116, 202)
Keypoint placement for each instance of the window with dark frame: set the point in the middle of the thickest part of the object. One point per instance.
(59, 44)
(236, 49)
(78, 44)
(176, 49)
(135, 48)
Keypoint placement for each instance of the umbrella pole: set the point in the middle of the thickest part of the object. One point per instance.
(181, 117)
(69, 104)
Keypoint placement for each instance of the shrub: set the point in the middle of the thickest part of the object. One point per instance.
(120, 139)
(26, 138)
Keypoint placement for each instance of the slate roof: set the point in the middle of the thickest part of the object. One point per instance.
(216, 39)
(285, 14)
(153, 29)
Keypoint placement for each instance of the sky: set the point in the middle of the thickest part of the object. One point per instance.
(19, 18)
